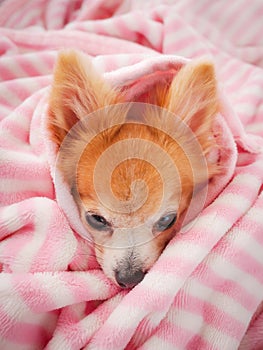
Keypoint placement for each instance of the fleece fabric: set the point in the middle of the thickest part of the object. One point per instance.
(206, 289)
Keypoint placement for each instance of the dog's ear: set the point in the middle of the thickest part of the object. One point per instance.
(77, 90)
(192, 96)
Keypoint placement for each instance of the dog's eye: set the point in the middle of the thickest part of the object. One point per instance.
(97, 222)
(165, 222)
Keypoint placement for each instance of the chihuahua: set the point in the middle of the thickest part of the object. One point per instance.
(132, 180)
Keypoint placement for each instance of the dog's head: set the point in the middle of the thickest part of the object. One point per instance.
(132, 181)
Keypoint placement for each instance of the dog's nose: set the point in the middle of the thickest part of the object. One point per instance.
(126, 279)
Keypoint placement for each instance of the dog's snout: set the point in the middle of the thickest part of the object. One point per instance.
(127, 279)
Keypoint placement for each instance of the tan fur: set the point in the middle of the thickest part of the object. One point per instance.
(77, 91)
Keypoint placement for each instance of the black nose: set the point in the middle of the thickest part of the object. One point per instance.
(127, 279)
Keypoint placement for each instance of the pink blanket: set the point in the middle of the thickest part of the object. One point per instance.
(206, 289)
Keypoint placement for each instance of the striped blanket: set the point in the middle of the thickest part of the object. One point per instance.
(206, 289)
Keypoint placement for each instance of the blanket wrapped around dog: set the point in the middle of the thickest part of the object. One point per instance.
(206, 289)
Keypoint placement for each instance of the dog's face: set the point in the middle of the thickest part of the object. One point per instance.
(131, 181)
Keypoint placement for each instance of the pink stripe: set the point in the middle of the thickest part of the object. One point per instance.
(212, 315)
(79, 286)
(28, 170)
(22, 333)
(27, 62)
(30, 69)
(78, 40)
(17, 131)
(239, 78)
(28, 8)
(245, 26)
(197, 342)
(57, 13)
(36, 286)
(15, 244)
(211, 11)
(40, 286)
(9, 9)
(24, 224)
(187, 340)
(119, 337)
(15, 197)
(20, 89)
(6, 72)
(242, 259)
(86, 328)
(229, 17)
(257, 35)
(178, 266)
(219, 284)
(181, 44)
(173, 25)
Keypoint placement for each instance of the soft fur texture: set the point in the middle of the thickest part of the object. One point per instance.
(132, 209)
(205, 289)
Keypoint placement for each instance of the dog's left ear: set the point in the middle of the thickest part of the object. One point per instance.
(77, 91)
(193, 97)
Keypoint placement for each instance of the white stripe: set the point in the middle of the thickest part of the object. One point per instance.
(184, 251)
(13, 19)
(41, 222)
(221, 301)
(247, 32)
(158, 343)
(226, 19)
(185, 319)
(20, 158)
(196, 325)
(249, 180)
(251, 90)
(40, 65)
(28, 15)
(176, 39)
(255, 128)
(233, 73)
(245, 108)
(59, 292)
(233, 201)
(58, 341)
(17, 119)
(238, 24)
(134, 313)
(13, 305)
(9, 139)
(213, 9)
(9, 345)
(213, 220)
(226, 270)
(16, 70)
(154, 29)
(245, 241)
(10, 97)
(256, 215)
(10, 220)
(249, 37)
(89, 324)
(4, 112)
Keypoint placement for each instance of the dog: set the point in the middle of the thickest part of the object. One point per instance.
(112, 164)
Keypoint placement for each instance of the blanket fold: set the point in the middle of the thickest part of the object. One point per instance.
(206, 289)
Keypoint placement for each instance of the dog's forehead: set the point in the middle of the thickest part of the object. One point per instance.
(131, 174)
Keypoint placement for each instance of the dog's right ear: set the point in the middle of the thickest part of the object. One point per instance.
(77, 91)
